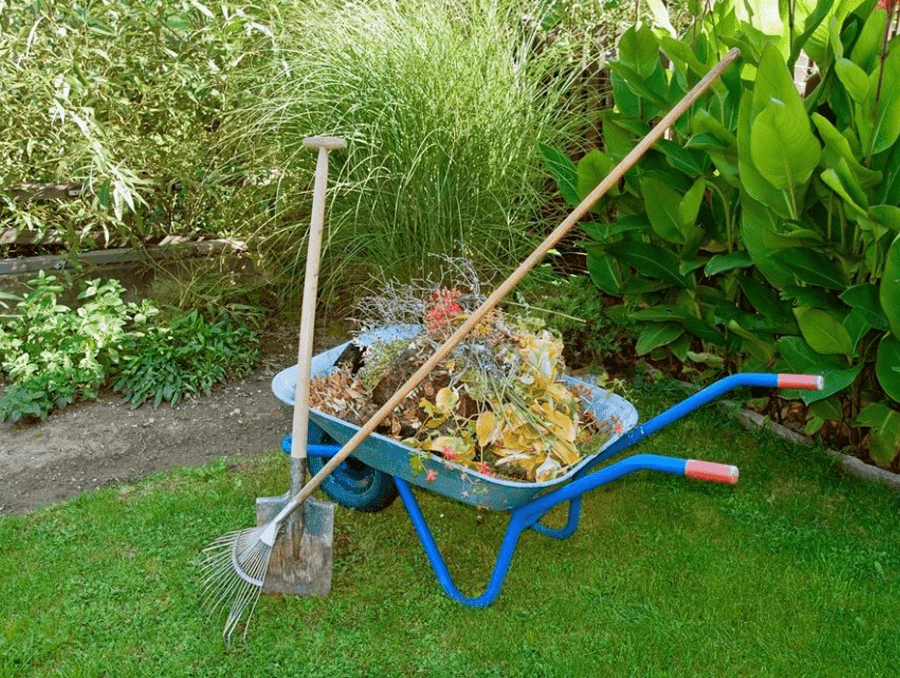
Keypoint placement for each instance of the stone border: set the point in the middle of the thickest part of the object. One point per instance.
(851, 465)
(855, 467)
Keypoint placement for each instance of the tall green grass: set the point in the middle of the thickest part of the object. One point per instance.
(443, 104)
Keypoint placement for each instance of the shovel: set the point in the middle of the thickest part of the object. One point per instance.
(246, 553)
(300, 561)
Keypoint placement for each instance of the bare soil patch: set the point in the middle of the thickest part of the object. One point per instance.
(91, 445)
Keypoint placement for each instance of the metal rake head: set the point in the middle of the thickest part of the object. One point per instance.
(234, 568)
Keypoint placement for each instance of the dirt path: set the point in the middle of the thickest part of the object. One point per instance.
(91, 445)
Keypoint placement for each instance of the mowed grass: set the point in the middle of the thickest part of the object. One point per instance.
(793, 572)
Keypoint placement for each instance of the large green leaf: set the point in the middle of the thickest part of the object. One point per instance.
(857, 327)
(604, 271)
(661, 202)
(802, 359)
(784, 149)
(884, 431)
(621, 131)
(818, 297)
(650, 260)
(854, 79)
(868, 45)
(764, 300)
(645, 89)
(886, 215)
(889, 289)
(591, 170)
(720, 263)
(864, 298)
(759, 346)
(813, 268)
(885, 113)
(686, 160)
(661, 313)
(837, 179)
(887, 365)
(564, 171)
(837, 147)
(751, 181)
(773, 83)
(638, 50)
(813, 29)
(756, 222)
(656, 336)
(823, 332)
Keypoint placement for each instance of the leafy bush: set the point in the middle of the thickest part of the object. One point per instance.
(765, 230)
(126, 96)
(53, 355)
(189, 355)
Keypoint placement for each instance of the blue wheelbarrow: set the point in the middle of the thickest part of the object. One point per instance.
(379, 468)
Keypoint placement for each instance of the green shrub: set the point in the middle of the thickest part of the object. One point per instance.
(53, 355)
(126, 96)
(188, 355)
(765, 229)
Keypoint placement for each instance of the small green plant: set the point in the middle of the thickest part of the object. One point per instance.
(54, 355)
(189, 355)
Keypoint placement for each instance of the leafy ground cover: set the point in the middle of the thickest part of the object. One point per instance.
(793, 571)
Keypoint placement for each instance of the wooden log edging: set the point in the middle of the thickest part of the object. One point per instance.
(169, 248)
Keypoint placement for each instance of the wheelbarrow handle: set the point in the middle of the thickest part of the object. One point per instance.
(711, 471)
(803, 382)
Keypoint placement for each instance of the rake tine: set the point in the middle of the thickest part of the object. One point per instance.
(234, 571)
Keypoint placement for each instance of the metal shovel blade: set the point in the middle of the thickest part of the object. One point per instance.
(302, 554)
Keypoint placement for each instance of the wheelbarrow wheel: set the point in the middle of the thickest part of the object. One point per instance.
(353, 484)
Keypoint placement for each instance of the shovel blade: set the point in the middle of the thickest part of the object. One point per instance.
(302, 554)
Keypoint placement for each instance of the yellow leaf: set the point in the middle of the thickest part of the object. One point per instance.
(446, 399)
(563, 426)
(548, 470)
(485, 428)
(566, 452)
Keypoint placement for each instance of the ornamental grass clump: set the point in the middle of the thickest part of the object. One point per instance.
(497, 404)
(444, 106)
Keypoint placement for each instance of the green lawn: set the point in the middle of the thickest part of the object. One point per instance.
(793, 572)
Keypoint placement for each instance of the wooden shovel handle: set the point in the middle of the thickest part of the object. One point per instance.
(308, 310)
(444, 350)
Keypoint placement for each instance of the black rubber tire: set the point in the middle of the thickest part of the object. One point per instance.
(353, 484)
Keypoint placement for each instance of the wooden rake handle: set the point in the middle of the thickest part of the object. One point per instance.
(444, 350)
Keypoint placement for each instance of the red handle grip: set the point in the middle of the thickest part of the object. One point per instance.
(715, 473)
(804, 382)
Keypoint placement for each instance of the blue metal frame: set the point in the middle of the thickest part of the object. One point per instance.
(525, 516)
(677, 411)
(528, 514)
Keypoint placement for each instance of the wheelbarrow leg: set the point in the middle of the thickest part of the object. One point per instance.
(516, 524)
(567, 530)
(531, 512)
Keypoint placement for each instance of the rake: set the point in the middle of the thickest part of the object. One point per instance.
(238, 561)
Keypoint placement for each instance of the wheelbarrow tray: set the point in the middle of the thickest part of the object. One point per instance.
(450, 479)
